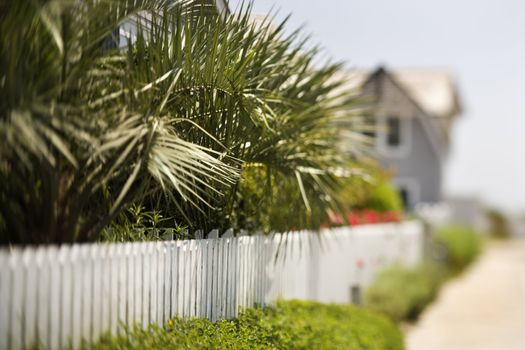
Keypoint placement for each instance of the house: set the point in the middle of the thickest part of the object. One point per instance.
(128, 30)
(413, 112)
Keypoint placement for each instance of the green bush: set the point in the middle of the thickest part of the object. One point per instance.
(461, 244)
(289, 325)
(402, 293)
(383, 197)
(499, 224)
(373, 191)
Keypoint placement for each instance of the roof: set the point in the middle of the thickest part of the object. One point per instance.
(433, 90)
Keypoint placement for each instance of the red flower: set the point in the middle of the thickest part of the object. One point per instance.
(353, 218)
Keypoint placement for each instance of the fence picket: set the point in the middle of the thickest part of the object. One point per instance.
(30, 297)
(192, 278)
(122, 285)
(204, 278)
(5, 298)
(166, 293)
(153, 281)
(54, 297)
(215, 278)
(75, 313)
(185, 261)
(113, 275)
(159, 247)
(137, 301)
(209, 279)
(180, 279)
(15, 326)
(146, 283)
(174, 278)
(96, 326)
(105, 271)
(43, 298)
(198, 284)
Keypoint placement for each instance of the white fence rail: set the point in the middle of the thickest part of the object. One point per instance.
(61, 295)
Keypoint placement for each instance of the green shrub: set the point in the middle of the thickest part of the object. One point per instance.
(402, 293)
(384, 197)
(461, 244)
(289, 325)
(499, 224)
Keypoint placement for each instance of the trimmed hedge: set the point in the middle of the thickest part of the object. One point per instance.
(402, 293)
(499, 226)
(462, 245)
(288, 325)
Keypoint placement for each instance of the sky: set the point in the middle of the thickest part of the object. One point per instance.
(481, 42)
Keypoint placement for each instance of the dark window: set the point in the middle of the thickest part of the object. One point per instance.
(394, 131)
(405, 197)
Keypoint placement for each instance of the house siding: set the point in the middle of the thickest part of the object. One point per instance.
(420, 169)
(416, 164)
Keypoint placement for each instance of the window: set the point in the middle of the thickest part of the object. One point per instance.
(394, 131)
(405, 197)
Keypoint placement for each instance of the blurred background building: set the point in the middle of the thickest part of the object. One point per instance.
(413, 113)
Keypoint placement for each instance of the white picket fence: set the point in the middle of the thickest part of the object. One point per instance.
(61, 295)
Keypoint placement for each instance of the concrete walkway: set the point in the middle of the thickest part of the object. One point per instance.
(484, 309)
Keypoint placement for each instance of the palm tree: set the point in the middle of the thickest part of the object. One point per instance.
(173, 121)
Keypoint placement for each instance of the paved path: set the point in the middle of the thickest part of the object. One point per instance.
(484, 309)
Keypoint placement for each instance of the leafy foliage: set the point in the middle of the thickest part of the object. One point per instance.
(365, 186)
(498, 224)
(290, 325)
(383, 197)
(403, 293)
(136, 224)
(171, 121)
(462, 246)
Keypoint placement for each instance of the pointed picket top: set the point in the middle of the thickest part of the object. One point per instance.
(199, 234)
(228, 233)
(213, 234)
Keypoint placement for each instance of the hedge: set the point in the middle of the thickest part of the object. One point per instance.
(402, 293)
(461, 245)
(289, 325)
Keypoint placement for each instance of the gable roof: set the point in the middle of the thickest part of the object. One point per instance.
(433, 90)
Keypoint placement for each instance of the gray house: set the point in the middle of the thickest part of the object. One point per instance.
(413, 111)
(128, 30)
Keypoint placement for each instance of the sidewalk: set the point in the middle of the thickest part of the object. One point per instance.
(484, 309)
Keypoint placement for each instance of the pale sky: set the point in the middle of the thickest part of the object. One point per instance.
(481, 42)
